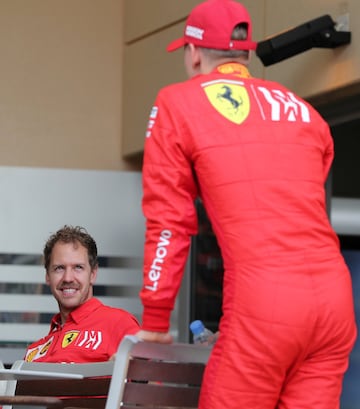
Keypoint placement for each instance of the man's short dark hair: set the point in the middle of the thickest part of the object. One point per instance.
(70, 234)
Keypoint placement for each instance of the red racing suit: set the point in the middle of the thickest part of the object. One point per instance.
(92, 333)
(258, 156)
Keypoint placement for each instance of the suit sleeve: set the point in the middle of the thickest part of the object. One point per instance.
(169, 191)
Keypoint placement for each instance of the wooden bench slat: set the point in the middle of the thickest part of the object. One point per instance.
(86, 403)
(64, 387)
(161, 395)
(177, 372)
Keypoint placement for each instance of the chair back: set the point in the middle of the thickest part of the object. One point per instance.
(153, 375)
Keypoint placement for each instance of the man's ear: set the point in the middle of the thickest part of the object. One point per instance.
(93, 275)
(195, 57)
(249, 58)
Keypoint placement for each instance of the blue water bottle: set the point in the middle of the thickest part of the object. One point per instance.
(200, 333)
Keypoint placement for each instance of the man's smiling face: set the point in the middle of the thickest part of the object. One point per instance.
(70, 276)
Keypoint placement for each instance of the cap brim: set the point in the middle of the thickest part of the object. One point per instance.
(176, 44)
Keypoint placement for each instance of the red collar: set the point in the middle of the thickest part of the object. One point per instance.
(77, 315)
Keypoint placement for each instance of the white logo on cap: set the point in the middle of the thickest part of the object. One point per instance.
(194, 32)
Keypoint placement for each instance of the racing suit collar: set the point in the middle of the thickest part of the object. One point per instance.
(233, 68)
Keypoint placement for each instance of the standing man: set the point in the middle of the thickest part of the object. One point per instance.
(84, 330)
(258, 156)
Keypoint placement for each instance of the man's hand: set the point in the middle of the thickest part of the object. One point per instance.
(213, 338)
(161, 337)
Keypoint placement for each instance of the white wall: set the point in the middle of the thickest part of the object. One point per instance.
(36, 202)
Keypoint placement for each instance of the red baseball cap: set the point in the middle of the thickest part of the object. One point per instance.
(211, 23)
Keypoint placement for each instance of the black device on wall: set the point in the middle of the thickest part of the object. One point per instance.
(320, 32)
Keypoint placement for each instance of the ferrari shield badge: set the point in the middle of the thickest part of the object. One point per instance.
(231, 100)
(69, 338)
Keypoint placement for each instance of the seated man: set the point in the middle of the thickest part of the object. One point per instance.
(85, 330)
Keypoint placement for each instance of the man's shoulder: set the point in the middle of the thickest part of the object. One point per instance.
(179, 87)
(110, 310)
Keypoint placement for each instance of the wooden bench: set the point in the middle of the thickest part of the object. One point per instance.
(144, 375)
(58, 385)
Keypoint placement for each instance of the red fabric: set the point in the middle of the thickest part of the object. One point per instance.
(92, 333)
(258, 156)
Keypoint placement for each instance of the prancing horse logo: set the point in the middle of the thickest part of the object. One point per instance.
(227, 95)
(230, 99)
(69, 338)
